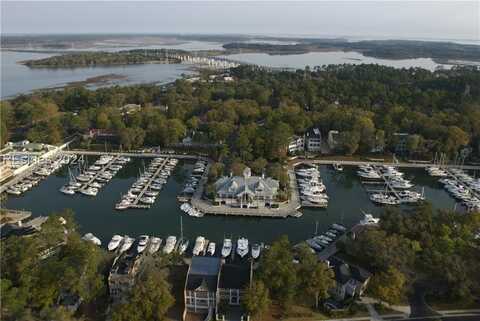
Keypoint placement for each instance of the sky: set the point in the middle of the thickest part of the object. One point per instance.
(364, 19)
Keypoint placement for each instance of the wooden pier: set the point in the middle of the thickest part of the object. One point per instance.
(136, 202)
(101, 171)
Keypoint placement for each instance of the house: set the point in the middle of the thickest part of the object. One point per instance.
(100, 133)
(332, 139)
(122, 274)
(351, 280)
(130, 109)
(213, 286)
(313, 140)
(400, 143)
(246, 191)
(200, 291)
(297, 144)
(5, 170)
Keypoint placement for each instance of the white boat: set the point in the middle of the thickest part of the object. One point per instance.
(339, 227)
(199, 245)
(182, 248)
(114, 242)
(14, 191)
(368, 219)
(256, 250)
(127, 243)
(170, 244)
(147, 200)
(92, 238)
(211, 248)
(155, 243)
(368, 174)
(90, 191)
(227, 248)
(142, 243)
(242, 247)
(338, 167)
(384, 199)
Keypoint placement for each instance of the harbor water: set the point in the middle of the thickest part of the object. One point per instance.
(97, 215)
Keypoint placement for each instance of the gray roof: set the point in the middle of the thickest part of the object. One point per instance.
(203, 274)
(255, 185)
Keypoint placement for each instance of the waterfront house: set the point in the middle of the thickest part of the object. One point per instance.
(332, 139)
(297, 144)
(123, 274)
(200, 291)
(400, 142)
(351, 280)
(313, 140)
(246, 191)
(234, 279)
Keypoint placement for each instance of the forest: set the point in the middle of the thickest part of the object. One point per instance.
(253, 118)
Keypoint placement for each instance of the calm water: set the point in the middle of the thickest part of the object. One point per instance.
(330, 58)
(17, 79)
(97, 215)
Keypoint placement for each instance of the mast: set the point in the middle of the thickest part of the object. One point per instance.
(181, 228)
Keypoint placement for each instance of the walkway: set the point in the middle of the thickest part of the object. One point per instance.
(357, 163)
(133, 154)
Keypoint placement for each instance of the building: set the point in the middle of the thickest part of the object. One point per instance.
(351, 280)
(400, 143)
(122, 274)
(332, 139)
(215, 287)
(130, 109)
(201, 285)
(246, 191)
(297, 144)
(5, 170)
(313, 140)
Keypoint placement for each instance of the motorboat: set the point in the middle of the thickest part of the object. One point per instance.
(183, 246)
(142, 243)
(369, 174)
(114, 242)
(242, 247)
(199, 245)
(14, 191)
(92, 238)
(368, 219)
(127, 243)
(170, 244)
(155, 243)
(90, 191)
(256, 251)
(123, 204)
(384, 199)
(227, 248)
(67, 190)
(147, 200)
(339, 227)
(338, 167)
(314, 244)
(211, 248)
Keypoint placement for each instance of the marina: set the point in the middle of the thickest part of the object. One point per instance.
(97, 215)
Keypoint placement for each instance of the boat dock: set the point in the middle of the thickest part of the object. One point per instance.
(332, 248)
(99, 172)
(454, 176)
(8, 216)
(135, 203)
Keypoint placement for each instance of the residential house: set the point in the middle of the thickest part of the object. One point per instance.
(123, 274)
(400, 143)
(297, 144)
(351, 280)
(234, 279)
(313, 140)
(246, 191)
(332, 139)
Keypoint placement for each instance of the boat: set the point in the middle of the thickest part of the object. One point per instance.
(147, 200)
(371, 174)
(90, 191)
(14, 191)
(314, 244)
(155, 243)
(115, 242)
(339, 227)
(92, 238)
(256, 250)
(211, 248)
(368, 219)
(183, 246)
(227, 248)
(127, 243)
(384, 199)
(142, 243)
(170, 244)
(338, 167)
(242, 247)
(199, 245)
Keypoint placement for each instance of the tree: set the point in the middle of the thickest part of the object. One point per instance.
(150, 299)
(277, 271)
(257, 299)
(315, 278)
(389, 286)
(258, 166)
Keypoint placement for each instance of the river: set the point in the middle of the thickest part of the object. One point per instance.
(97, 215)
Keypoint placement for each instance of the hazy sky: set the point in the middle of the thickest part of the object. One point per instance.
(395, 19)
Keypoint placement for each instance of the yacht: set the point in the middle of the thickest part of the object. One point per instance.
(199, 245)
(315, 245)
(142, 243)
(183, 246)
(242, 246)
(14, 191)
(211, 248)
(123, 205)
(127, 243)
(227, 248)
(155, 243)
(170, 244)
(384, 199)
(338, 167)
(90, 191)
(256, 250)
(92, 238)
(401, 184)
(339, 227)
(369, 174)
(147, 200)
(368, 219)
(115, 242)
